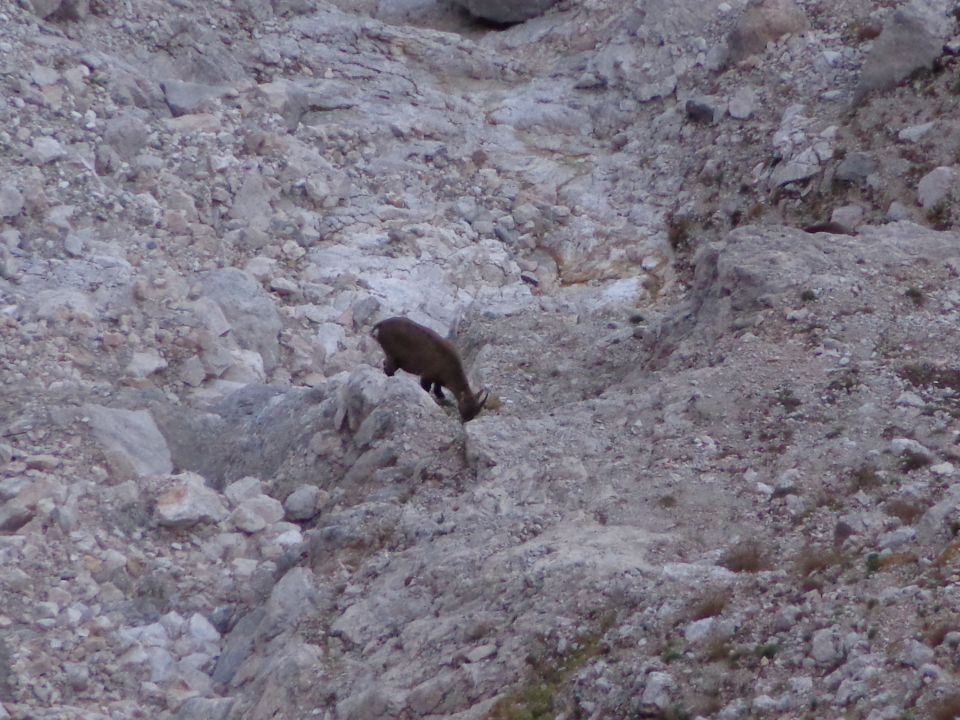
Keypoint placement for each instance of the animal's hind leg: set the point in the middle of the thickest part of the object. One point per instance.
(426, 384)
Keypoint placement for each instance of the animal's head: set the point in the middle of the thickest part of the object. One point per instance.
(470, 405)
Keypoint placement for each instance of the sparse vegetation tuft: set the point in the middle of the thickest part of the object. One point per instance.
(817, 559)
(906, 510)
(710, 604)
(912, 460)
(746, 557)
(916, 295)
(864, 477)
(926, 374)
(549, 674)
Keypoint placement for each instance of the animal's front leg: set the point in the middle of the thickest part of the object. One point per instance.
(390, 366)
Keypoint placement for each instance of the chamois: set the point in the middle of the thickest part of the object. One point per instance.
(420, 351)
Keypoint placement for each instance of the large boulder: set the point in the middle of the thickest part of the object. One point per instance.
(253, 317)
(905, 46)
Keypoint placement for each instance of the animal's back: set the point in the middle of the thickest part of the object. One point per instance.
(415, 348)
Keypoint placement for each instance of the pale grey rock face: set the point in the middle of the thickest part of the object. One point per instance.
(303, 503)
(11, 201)
(127, 134)
(676, 370)
(184, 98)
(59, 10)
(130, 439)
(906, 45)
(936, 187)
(254, 321)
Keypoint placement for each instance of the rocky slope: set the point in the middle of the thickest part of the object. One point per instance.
(717, 474)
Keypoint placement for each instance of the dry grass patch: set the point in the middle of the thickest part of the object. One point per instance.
(865, 477)
(907, 511)
(746, 557)
(710, 604)
(814, 559)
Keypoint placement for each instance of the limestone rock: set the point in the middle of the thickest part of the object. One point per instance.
(905, 46)
(130, 439)
(303, 503)
(188, 503)
(254, 321)
(127, 134)
(11, 201)
(185, 98)
(936, 186)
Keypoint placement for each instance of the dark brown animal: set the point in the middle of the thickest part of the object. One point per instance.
(831, 227)
(420, 351)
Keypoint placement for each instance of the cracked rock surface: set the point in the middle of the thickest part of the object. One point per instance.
(703, 255)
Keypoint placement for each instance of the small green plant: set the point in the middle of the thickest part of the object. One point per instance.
(808, 295)
(873, 563)
(671, 654)
(549, 674)
(768, 650)
(916, 295)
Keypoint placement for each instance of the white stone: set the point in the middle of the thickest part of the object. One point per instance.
(742, 103)
(188, 503)
(913, 133)
(242, 489)
(47, 150)
(935, 186)
(896, 539)
(302, 503)
(202, 630)
(656, 690)
(130, 439)
(850, 216)
(144, 364)
(823, 646)
(255, 514)
(699, 629)
(11, 201)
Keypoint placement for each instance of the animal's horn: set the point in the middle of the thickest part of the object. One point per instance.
(482, 397)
